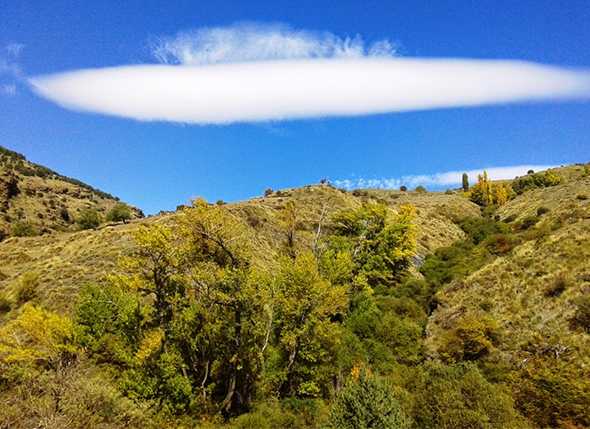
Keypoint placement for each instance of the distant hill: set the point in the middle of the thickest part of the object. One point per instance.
(35, 200)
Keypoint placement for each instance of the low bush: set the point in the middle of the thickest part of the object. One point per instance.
(88, 219)
(367, 403)
(27, 287)
(527, 222)
(5, 303)
(581, 317)
(500, 244)
(557, 286)
(553, 393)
(23, 229)
(542, 210)
(119, 213)
(536, 180)
(459, 397)
(473, 337)
(510, 218)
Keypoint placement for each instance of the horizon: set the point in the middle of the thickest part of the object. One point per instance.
(164, 150)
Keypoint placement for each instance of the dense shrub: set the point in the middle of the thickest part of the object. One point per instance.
(23, 229)
(552, 392)
(88, 219)
(27, 287)
(366, 402)
(472, 338)
(5, 303)
(109, 320)
(527, 222)
(557, 285)
(453, 262)
(420, 189)
(119, 213)
(459, 397)
(535, 180)
(290, 413)
(581, 317)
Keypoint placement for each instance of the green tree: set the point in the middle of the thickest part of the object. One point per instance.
(380, 242)
(365, 403)
(119, 213)
(458, 396)
(306, 302)
(88, 219)
(210, 303)
(465, 182)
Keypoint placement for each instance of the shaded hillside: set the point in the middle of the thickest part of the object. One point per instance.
(35, 200)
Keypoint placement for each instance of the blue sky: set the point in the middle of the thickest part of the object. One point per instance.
(157, 165)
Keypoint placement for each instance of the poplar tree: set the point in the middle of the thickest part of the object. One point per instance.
(465, 181)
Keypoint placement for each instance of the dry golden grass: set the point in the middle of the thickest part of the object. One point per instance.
(532, 291)
(47, 201)
(65, 261)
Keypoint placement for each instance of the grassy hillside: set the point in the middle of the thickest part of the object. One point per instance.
(517, 288)
(64, 262)
(305, 308)
(35, 200)
(527, 300)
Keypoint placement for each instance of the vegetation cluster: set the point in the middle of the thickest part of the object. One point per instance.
(339, 322)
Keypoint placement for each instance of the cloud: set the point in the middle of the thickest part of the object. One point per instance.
(438, 180)
(8, 89)
(10, 71)
(254, 42)
(291, 89)
(250, 73)
(14, 49)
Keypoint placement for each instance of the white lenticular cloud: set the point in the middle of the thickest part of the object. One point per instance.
(250, 73)
(291, 89)
(438, 180)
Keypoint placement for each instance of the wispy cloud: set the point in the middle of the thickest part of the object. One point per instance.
(255, 42)
(257, 73)
(10, 70)
(8, 89)
(438, 180)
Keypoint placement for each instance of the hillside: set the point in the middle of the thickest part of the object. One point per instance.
(517, 288)
(35, 200)
(527, 301)
(283, 310)
(65, 262)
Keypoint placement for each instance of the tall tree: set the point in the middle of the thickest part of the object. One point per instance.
(465, 182)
